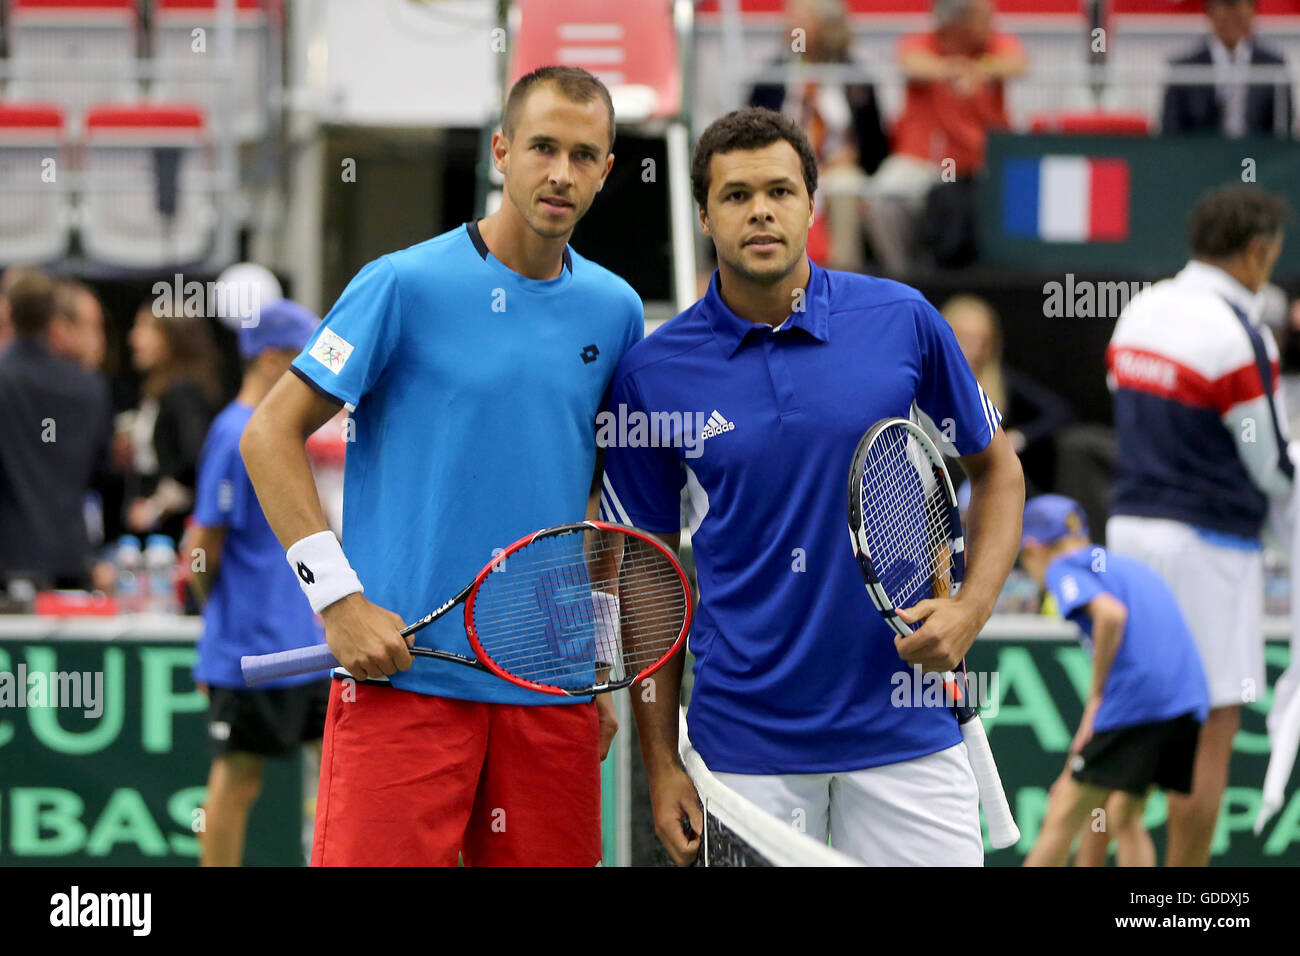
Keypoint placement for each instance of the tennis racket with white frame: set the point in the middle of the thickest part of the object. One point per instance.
(908, 541)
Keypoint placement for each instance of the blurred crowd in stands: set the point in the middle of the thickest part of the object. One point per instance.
(901, 195)
(90, 453)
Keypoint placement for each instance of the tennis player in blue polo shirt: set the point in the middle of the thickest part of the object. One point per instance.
(252, 603)
(1147, 699)
(474, 365)
(774, 376)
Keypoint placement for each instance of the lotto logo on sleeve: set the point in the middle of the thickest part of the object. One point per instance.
(331, 350)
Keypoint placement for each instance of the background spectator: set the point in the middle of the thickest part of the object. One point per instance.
(1032, 414)
(842, 121)
(955, 76)
(1225, 107)
(8, 277)
(181, 389)
(53, 433)
(77, 331)
(253, 604)
(1194, 474)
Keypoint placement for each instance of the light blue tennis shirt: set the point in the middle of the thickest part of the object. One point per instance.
(795, 670)
(1156, 674)
(473, 392)
(256, 605)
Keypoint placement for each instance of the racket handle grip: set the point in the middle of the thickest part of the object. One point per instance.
(1003, 831)
(301, 660)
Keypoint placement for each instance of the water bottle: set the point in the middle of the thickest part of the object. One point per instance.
(129, 563)
(159, 563)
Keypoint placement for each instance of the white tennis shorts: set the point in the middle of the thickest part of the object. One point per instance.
(919, 812)
(1220, 590)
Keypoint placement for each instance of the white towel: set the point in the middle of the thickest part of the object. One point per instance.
(1284, 715)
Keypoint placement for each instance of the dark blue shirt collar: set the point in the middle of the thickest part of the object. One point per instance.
(476, 237)
(731, 330)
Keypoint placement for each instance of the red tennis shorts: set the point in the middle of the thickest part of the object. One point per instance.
(414, 780)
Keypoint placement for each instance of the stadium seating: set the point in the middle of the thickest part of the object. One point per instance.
(635, 47)
(190, 72)
(631, 46)
(148, 195)
(72, 53)
(35, 214)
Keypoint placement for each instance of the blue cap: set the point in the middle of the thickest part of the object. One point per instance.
(1049, 518)
(283, 324)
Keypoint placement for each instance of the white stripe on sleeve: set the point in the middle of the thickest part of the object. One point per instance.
(620, 513)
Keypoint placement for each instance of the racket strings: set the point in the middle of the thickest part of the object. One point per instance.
(579, 609)
(567, 605)
(905, 517)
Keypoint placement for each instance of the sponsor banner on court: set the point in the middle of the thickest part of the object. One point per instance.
(115, 774)
(1040, 691)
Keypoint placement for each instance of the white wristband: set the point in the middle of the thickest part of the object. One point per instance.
(322, 570)
(608, 636)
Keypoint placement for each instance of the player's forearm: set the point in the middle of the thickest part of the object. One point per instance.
(275, 455)
(992, 525)
(201, 584)
(204, 545)
(656, 704)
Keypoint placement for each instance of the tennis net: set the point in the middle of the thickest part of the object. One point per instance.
(737, 833)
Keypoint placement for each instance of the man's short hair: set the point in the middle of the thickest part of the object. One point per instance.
(10, 275)
(1225, 220)
(31, 303)
(751, 128)
(574, 83)
(950, 11)
(67, 292)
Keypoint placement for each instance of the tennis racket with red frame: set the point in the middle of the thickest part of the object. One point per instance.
(575, 610)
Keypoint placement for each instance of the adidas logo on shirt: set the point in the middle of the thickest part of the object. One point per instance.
(716, 426)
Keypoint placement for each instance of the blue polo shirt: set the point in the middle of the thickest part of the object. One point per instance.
(794, 667)
(473, 392)
(1157, 673)
(256, 606)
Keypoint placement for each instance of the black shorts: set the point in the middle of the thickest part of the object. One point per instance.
(272, 722)
(1134, 758)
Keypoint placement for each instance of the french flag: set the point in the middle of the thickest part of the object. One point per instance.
(1066, 199)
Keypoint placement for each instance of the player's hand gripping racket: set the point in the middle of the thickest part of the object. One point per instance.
(907, 537)
(577, 609)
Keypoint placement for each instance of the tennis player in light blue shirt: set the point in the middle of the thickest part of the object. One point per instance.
(473, 365)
